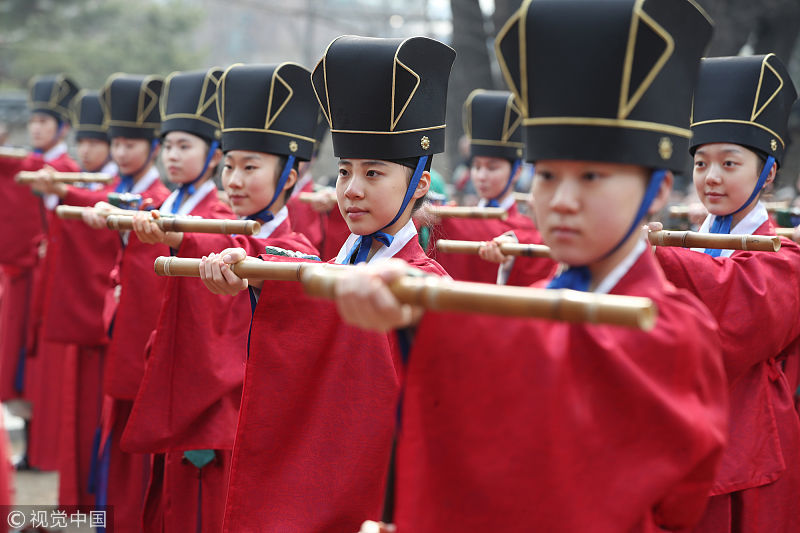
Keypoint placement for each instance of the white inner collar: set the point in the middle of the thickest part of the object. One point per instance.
(406, 233)
(268, 227)
(55, 152)
(505, 204)
(749, 224)
(191, 202)
(145, 181)
(622, 268)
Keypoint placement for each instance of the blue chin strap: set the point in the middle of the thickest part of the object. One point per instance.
(189, 188)
(579, 278)
(265, 215)
(723, 224)
(364, 242)
(495, 202)
(126, 180)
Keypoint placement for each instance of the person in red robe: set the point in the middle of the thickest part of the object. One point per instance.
(74, 303)
(493, 125)
(24, 223)
(131, 102)
(522, 424)
(739, 126)
(188, 402)
(317, 418)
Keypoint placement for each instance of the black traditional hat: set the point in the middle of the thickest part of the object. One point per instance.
(619, 87)
(131, 105)
(493, 124)
(268, 108)
(88, 117)
(384, 98)
(743, 100)
(189, 103)
(52, 94)
(320, 130)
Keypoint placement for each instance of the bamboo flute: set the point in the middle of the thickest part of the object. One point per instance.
(13, 153)
(445, 211)
(521, 196)
(508, 248)
(74, 212)
(691, 239)
(432, 292)
(26, 177)
(190, 225)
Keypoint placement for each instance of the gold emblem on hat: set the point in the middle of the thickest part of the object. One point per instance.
(519, 152)
(665, 148)
(773, 144)
(293, 146)
(425, 142)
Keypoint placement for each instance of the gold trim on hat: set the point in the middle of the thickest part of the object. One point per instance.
(735, 121)
(144, 90)
(608, 122)
(626, 104)
(395, 119)
(221, 100)
(58, 90)
(206, 101)
(326, 108)
(765, 62)
(491, 142)
(373, 132)
(522, 91)
(509, 129)
(276, 132)
(276, 76)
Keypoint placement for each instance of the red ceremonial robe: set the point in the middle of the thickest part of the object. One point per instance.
(515, 425)
(304, 219)
(75, 317)
(190, 393)
(755, 297)
(22, 228)
(468, 267)
(317, 418)
(134, 319)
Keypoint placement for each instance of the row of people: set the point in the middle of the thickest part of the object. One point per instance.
(289, 420)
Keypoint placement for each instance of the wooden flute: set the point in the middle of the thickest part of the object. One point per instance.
(692, 239)
(124, 222)
(521, 196)
(13, 153)
(680, 239)
(683, 210)
(508, 248)
(457, 211)
(26, 177)
(74, 212)
(441, 294)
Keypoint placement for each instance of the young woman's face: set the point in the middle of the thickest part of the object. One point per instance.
(725, 175)
(584, 209)
(183, 156)
(93, 154)
(370, 192)
(42, 130)
(249, 179)
(490, 175)
(130, 155)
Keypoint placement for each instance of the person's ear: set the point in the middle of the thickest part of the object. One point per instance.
(423, 186)
(664, 191)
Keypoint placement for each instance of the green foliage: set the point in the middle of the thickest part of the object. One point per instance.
(91, 39)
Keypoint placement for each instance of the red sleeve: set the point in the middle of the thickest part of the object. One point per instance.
(753, 295)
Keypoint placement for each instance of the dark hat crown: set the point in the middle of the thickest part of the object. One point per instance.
(493, 124)
(189, 103)
(88, 116)
(619, 88)
(131, 105)
(52, 94)
(268, 108)
(744, 100)
(384, 98)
